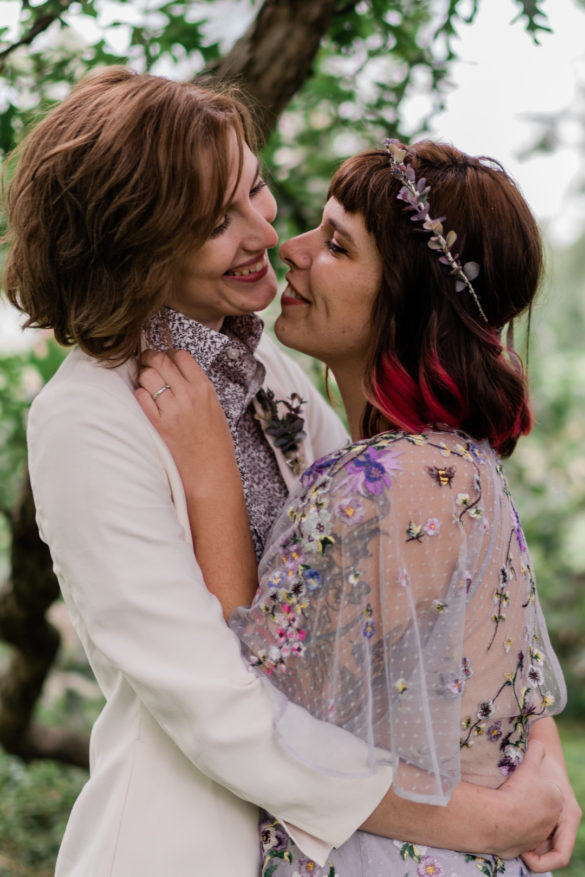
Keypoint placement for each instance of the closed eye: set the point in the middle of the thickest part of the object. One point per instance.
(221, 227)
(257, 187)
(335, 248)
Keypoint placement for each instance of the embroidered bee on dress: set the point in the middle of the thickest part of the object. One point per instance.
(442, 477)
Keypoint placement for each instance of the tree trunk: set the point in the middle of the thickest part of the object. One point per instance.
(274, 56)
(24, 599)
(270, 62)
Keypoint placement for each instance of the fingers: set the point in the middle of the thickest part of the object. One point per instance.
(178, 371)
(559, 848)
(175, 364)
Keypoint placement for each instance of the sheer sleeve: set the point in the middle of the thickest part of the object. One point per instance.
(361, 611)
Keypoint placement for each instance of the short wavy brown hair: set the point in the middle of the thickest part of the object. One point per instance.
(433, 359)
(119, 181)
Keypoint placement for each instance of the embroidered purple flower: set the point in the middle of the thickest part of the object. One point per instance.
(369, 629)
(494, 732)
(278, 579)
(518, 530)
(372, 471)
(429, 867)
(466, 667)
(485, 710)
(535, 675)
(510, 760)
(272, 837)
(349, 510)
(316, 470)
(312, 579)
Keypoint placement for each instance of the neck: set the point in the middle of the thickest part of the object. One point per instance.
(350, 388)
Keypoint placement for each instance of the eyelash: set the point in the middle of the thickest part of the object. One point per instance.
(335, 248)
(257, 187)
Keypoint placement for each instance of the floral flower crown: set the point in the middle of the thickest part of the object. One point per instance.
(416, 195)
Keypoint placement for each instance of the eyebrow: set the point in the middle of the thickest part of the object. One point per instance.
(339, 227)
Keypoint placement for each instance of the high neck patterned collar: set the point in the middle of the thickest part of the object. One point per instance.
(227, 358)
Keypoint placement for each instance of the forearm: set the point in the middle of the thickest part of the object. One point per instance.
(474, 820)
(545, 730)
(194, 427)
(478, 819)
(221, 534)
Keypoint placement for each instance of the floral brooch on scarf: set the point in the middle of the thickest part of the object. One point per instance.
(287, 431)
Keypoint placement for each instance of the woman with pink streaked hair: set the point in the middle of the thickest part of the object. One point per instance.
(397, 598)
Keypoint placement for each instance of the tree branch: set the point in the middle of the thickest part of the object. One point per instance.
(38, 26)
(275, 55)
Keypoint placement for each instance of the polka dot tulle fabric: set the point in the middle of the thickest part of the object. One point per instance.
(397, 600)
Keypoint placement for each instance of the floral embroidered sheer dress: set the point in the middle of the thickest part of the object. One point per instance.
(397, 599)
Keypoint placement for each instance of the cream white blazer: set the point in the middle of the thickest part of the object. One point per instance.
(186, 738)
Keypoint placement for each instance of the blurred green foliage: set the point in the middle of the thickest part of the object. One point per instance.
(547, 471)
(373, 57)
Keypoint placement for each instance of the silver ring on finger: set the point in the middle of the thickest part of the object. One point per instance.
(160, 392)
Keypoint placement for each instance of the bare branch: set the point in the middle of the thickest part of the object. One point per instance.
(38, 26)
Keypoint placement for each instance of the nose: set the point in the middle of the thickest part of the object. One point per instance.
(295, 251)
(263, 213)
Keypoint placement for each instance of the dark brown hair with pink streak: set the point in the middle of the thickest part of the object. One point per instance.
(435, 360)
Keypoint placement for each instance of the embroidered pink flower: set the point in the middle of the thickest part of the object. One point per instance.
(432, 527)
(457, 685)
(280, 635)
(429, 867)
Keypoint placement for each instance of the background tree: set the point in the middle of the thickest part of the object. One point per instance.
(325, 77)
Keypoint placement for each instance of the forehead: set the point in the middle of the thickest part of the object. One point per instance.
(351, 225)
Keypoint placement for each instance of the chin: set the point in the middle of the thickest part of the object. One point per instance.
(294, 340)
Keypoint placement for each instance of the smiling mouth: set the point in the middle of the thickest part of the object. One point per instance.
(291, 292)
(246, 270)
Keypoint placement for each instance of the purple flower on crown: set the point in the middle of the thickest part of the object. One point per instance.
(415, 194)
(372, 471)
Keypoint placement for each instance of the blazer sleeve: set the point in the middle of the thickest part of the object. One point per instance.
(103, 484)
